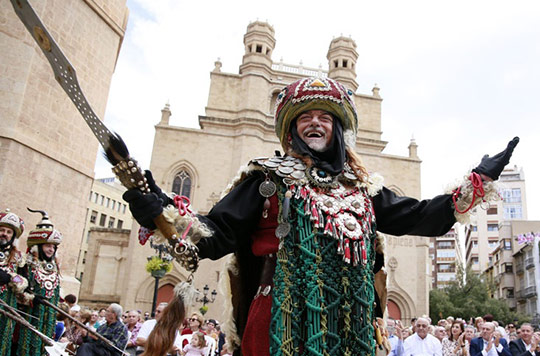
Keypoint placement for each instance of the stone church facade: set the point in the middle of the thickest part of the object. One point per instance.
(238, 126)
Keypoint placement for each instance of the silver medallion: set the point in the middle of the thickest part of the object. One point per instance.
(285, 170)
(288, 163)
(283, 230)
(298, 174)
(267, 188)
(276, 159)
(271, 164)
(300, 167)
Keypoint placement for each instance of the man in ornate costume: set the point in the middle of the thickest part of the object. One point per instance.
(11, 282)
(43, 284)
(303, 229)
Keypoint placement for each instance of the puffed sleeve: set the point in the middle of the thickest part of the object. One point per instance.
(233, 219)
(397, 215)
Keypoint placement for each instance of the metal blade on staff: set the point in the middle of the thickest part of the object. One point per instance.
(125, 167)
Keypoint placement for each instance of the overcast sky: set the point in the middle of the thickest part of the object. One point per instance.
(462, 77)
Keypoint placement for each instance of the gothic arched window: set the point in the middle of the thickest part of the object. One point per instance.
(182, 184)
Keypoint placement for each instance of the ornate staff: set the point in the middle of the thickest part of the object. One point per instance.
(125, 167)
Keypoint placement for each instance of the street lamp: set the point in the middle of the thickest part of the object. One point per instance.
(165, 256)
(204, 300)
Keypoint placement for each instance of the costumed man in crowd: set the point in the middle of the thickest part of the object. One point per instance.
(11, 282)
(303, 228)
(43, 284)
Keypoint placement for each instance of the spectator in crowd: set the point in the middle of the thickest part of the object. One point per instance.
(197, 345)
(440, 332)
(490, 342)
(211, 328)
(74, 333)
(395, 337)
(456, 344)
(71, 300)
(113, 330)
(470, 332)
(133, 325)
(60, 322)
(405, 333)
(421, 342)
(101, 319)
(146, 316)
(94, 319)
(478, 321)
(500, 329)
(221, 339)
(195, 324)
(147, 327)
(528, 343)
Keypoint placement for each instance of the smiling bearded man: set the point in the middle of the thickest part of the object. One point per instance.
(303, 230)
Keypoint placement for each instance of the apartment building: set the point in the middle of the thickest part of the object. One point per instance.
(446, 256)
(107, 209)
(482, 235)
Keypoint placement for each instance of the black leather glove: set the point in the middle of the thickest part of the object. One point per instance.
(146, 207)
(5, 277)
(493, 166)
(155, 189)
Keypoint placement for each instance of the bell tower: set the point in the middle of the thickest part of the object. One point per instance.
(259, 42)
(342, 57)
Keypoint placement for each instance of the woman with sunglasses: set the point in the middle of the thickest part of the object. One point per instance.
(195, 323)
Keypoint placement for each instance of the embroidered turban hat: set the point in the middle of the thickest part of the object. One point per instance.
(12, 221)
(314, 94)
(44, 233)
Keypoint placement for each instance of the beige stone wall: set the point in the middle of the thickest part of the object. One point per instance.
(43, 161)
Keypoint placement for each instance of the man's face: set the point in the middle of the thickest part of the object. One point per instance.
(526, 333)
(6, 234)
(210, 326)
(487, 331)
(110, 316)
(133, 318)
(159, 311)
(440, 333)
(315, 128)
(469, 334)
(422, 328)
(48, 250)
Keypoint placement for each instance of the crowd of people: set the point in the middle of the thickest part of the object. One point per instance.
(482, 336)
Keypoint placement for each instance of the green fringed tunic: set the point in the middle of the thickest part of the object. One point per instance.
(44, 281)
(7, 325)
(323, 287)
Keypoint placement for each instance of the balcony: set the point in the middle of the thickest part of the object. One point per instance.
(519, 268)
(529, 263)
(529, 292)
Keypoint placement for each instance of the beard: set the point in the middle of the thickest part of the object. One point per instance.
(317, 146)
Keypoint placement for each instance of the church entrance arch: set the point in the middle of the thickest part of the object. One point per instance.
(165, 293)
